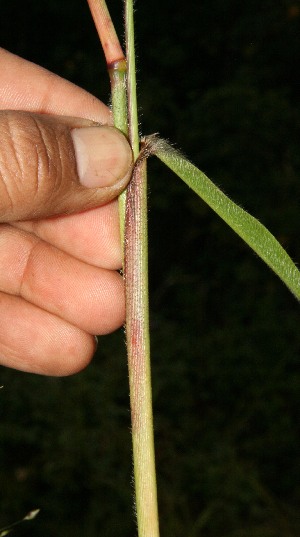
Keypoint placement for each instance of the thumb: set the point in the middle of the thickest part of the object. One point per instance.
(52, 165)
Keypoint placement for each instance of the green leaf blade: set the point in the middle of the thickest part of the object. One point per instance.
(246, 226)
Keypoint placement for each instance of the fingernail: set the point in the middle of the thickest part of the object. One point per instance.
(103, 155)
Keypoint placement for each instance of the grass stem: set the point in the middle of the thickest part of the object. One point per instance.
(124, 105)
(137, 312)
(117, 73)
(131, 79)
(117, 69)
(106, 31)
(138, 350)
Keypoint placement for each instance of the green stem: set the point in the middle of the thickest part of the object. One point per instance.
(137, 313)
(133, 123)
(116, 65)
(135, 264)
(117, 74)
(138, 350)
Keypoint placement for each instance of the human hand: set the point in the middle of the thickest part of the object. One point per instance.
(59, 250)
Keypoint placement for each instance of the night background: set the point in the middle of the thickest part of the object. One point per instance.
(220, 79)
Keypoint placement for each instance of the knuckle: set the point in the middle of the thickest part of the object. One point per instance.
(33, 159)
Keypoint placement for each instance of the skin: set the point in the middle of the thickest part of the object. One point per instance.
(58, 275)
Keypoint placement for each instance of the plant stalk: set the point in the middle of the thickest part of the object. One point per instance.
(106, 31)
(137, 312)
(117, 73)
(138, 350)
(124, 104)
(117, 69)
(133, 124)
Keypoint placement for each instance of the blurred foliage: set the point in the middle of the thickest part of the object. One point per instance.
(220, 78)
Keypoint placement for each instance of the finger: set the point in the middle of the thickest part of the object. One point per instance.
(26, 86)
(92, 236)
(88, 297)
(51, 165)
(35, 341)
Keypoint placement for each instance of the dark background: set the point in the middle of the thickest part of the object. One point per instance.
(220, 78)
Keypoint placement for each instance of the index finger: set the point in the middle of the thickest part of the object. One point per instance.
(26, 86)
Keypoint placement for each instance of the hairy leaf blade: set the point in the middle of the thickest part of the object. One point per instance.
(246, 226)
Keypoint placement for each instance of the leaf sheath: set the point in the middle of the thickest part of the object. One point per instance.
(138, 350)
